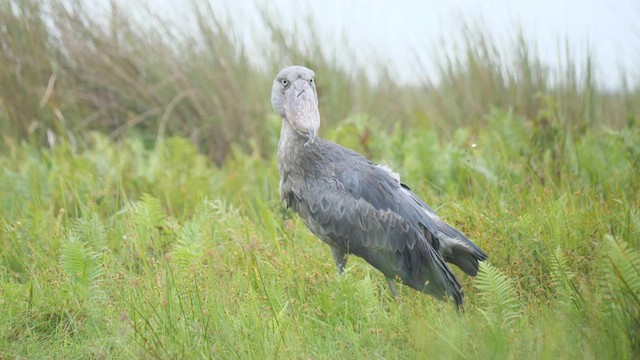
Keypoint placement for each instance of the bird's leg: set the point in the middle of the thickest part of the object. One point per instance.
(392, 287)
(340, 257)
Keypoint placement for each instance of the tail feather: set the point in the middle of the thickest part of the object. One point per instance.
(459, 250)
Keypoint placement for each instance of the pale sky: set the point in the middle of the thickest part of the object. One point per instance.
(401, 32)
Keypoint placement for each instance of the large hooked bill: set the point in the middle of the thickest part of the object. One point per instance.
(301, 109)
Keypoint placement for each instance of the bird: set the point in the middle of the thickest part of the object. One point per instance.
(359, 207)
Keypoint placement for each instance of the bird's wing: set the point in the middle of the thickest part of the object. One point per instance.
(341, 214)
(358, 192)
(364, 203)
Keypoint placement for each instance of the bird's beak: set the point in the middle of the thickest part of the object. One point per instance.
(301, 109)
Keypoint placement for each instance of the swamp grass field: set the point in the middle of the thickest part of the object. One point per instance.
(140, 214)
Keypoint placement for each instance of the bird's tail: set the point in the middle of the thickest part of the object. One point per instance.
(459, 250)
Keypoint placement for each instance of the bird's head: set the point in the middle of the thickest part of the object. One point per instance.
(294, 97)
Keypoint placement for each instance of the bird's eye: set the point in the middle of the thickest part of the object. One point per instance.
(284, 82)
(311, 81)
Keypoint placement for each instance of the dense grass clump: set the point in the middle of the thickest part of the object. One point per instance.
(124, 250)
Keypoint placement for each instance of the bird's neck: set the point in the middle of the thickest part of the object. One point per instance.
(291, 142)
(293, 154)
(290, 136)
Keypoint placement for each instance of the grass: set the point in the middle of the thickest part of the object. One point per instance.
(124, 250)
(140, 215)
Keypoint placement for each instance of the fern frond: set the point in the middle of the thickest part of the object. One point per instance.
(559, 271)
(89, 228)
(148, 212)
(80, 265)
(223, 220)
(621, 281)
(498, 294)
(146, 218)
(624, 275)
(188, 250)
(566, 289)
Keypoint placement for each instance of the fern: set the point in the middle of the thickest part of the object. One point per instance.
(147, 213)
(89, 228)
(146, 218)
(81, 266)
(223, 220)
(566, 289)
(188, 250)
(497, 294)
(219, 208)
(621, 279)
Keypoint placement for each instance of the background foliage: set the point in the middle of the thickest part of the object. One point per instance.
(140, 214)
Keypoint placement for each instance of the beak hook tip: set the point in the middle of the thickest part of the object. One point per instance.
(311, 138)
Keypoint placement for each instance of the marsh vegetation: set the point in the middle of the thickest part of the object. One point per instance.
(140, 215)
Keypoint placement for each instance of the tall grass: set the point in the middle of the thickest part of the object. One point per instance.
(67, 72)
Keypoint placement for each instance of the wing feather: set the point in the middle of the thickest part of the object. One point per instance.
(363, 208)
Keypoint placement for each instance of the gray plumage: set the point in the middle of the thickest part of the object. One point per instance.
(358, 207)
